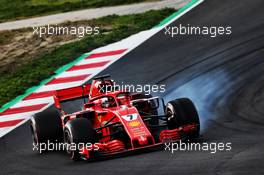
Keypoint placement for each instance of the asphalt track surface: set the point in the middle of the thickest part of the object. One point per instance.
(223, 75)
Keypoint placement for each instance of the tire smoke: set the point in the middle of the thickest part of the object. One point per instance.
(205, 91)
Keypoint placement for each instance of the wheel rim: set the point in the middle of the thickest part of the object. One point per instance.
(169, 112)
(67, 141)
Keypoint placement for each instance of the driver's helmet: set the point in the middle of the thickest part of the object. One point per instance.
(108, 102)
(105, 102)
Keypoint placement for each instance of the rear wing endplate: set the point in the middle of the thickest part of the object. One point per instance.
(71, 93)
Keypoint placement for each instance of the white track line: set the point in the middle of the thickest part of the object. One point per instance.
(23, 115)
(78, 72)
(96, 60)
(52, 87)
(33, 102)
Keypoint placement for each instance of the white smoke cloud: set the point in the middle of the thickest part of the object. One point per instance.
(204, 91)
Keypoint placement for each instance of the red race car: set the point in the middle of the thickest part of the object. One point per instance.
(96, 120)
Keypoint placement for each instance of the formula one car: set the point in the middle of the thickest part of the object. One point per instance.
(97, 120)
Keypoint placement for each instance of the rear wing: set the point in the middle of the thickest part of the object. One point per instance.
(71, 94)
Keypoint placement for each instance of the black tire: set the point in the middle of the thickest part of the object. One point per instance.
(181, 112)
(46, 127)
(79, 130)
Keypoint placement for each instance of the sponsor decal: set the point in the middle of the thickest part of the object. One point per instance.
(130, 117)
(134, 123)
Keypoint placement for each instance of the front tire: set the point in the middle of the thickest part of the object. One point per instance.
(79, 131)
(182, 112)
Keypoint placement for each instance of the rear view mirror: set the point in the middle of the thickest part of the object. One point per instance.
(88, 105)
(154, 103)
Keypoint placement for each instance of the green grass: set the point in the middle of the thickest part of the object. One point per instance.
(16, 9)
(14, 83)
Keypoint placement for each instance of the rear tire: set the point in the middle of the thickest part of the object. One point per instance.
(182, 112)
(46, 127)
(79, 130)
